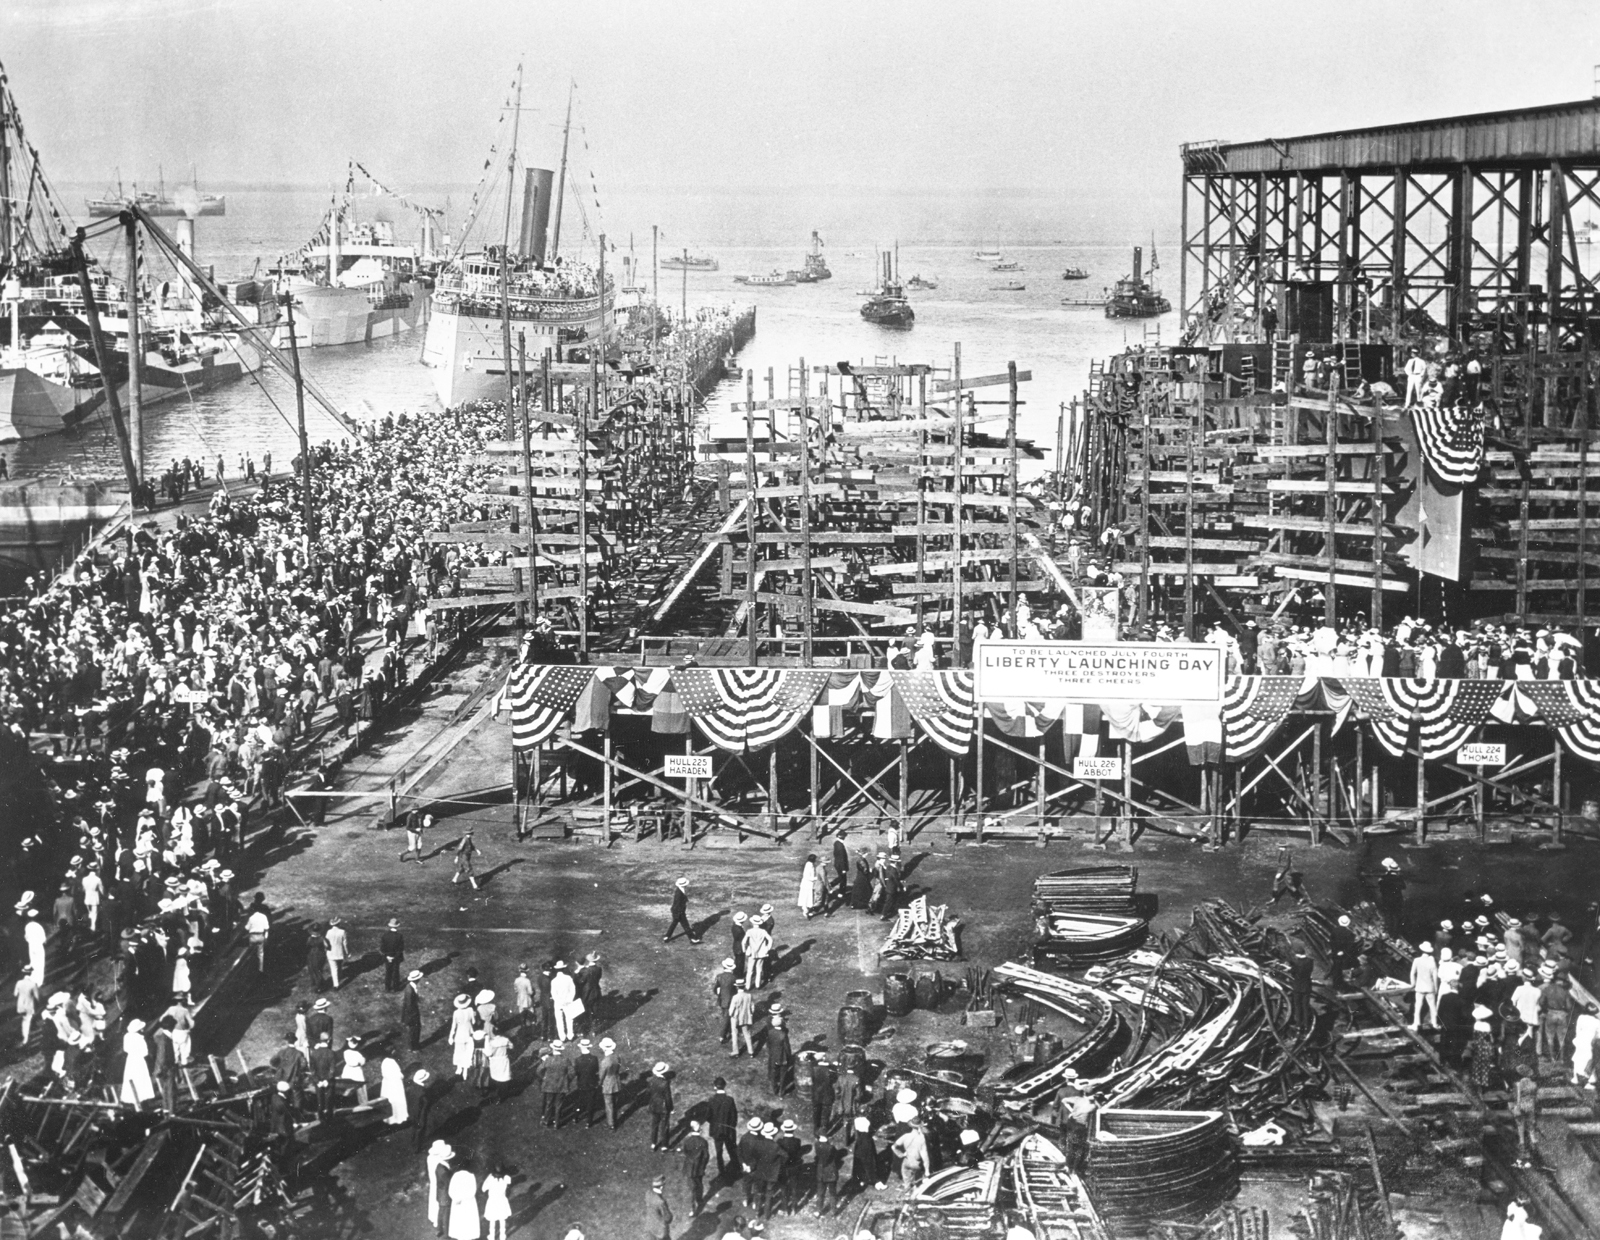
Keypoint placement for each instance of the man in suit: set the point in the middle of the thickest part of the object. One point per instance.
(586, 1081)
(411, 1010)
(323, 1066)
(722, 987)
(657, 1213)
(696, 1154)
(392, 945)
(841, 867)
(722, 1113)
(319, 1023)
(337, 943)
(660, 1092)
(680, 912)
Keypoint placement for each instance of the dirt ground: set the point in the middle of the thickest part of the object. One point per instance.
(541, 901)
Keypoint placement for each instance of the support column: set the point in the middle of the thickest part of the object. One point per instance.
(1422, 797)
(1558, 788)
(905, 792)
(688, 802)
(816, 774)
(605, 775)
(772, 789)
(1127, 794)
(1318, 805)
(977, 803)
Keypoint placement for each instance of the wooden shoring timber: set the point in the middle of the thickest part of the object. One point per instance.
(1236, 806)
(684, 796)
(863, 792)
(1074, 783)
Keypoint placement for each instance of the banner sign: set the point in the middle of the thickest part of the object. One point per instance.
(1482, 754)
(1097, 768)
(1161, 673)
(687, 766)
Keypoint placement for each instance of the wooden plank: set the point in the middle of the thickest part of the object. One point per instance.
(790, 565)
(1342, 579)
(1315, 525)
(148, 1153)
(978, 381)
(888, 611)
(947, 529)
(1311, 451)
(1319, 486)
(1543, 495)
(1203, 544)
(940, 560)
(546, 593)
(1178, 568)
(971, 587)
(1318, 562)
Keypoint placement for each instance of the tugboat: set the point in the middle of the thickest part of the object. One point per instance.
(919, 283)
(1133, 297)
(815, 269)
(1074, 273)
(1009, 264)
(888, 307)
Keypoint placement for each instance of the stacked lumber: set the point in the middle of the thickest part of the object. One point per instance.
(1087, 889)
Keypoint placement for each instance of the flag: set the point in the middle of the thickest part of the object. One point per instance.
(742, 708)
(1582, 736)
(1253, 709)
(540, 698)
(941, 705)
(1451, 439)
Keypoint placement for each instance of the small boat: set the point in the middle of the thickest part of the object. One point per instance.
(773, 279)
(987, 256)
(1013, 286)
(1147, 1165)
(919, 282)
(1074, 273)
(1009, 264)
(1134, 297)
(1083, 938)
(731, 368)
(816, 267)
(888, 306)
(689, 262)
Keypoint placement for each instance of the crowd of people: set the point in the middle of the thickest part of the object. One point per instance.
(172, 683)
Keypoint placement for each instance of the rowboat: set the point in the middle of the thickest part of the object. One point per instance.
(1087, 937)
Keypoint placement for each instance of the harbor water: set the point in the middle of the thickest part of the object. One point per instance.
(820, 322)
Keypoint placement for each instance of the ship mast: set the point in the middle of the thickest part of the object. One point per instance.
(505, 264)
(6, 256)
(561, 179)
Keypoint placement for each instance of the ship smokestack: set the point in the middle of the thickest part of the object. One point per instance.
(536, 190)
(1138, 262)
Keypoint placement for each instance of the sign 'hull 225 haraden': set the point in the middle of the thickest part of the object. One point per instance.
(1164, 673)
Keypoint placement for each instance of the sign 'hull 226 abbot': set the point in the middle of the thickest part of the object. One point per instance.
(1163, 673)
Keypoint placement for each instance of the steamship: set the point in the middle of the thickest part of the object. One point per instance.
(353, 283)
(552, 304)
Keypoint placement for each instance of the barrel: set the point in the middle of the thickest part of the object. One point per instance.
(1047, 1048)
(862, 999)
(853, 1025)
(927, 988)
(853, 1058)
(898, 996)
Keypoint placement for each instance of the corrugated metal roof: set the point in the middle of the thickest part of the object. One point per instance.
(1564, 131)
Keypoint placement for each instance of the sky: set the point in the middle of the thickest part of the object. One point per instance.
(1066, 114)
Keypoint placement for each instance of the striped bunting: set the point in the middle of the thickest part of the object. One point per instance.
(1582, 736)
(541, 697)
(1466, 709)
(1550, 700)
(741, 708)
(941, 703)
(1451, 440)
(1253, 709)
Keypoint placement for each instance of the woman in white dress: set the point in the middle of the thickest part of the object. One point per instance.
(810, 897)
(354, 1073)
(464, 1223)
(393, 1091)
(461, 1045)
(136, 1086)
(496, 1203)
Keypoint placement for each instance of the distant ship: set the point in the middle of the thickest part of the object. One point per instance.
(888, 306)
(815, 269)
(186, 201)
(353, 283)
(49, 380)
(773, 279)
(1011, 286)
(987, 256)
(920, 282)
(1007, 265)
(690, 262)
(1074, 273)
(1133, 297)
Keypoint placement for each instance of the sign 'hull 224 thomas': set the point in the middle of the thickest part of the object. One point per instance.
(1167, 673)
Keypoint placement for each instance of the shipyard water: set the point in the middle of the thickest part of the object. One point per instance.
(938, 240)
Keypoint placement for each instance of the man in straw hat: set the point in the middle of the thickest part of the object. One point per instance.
(680, 912)
(392, 946)
(411, 1009)
(659, 1088)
